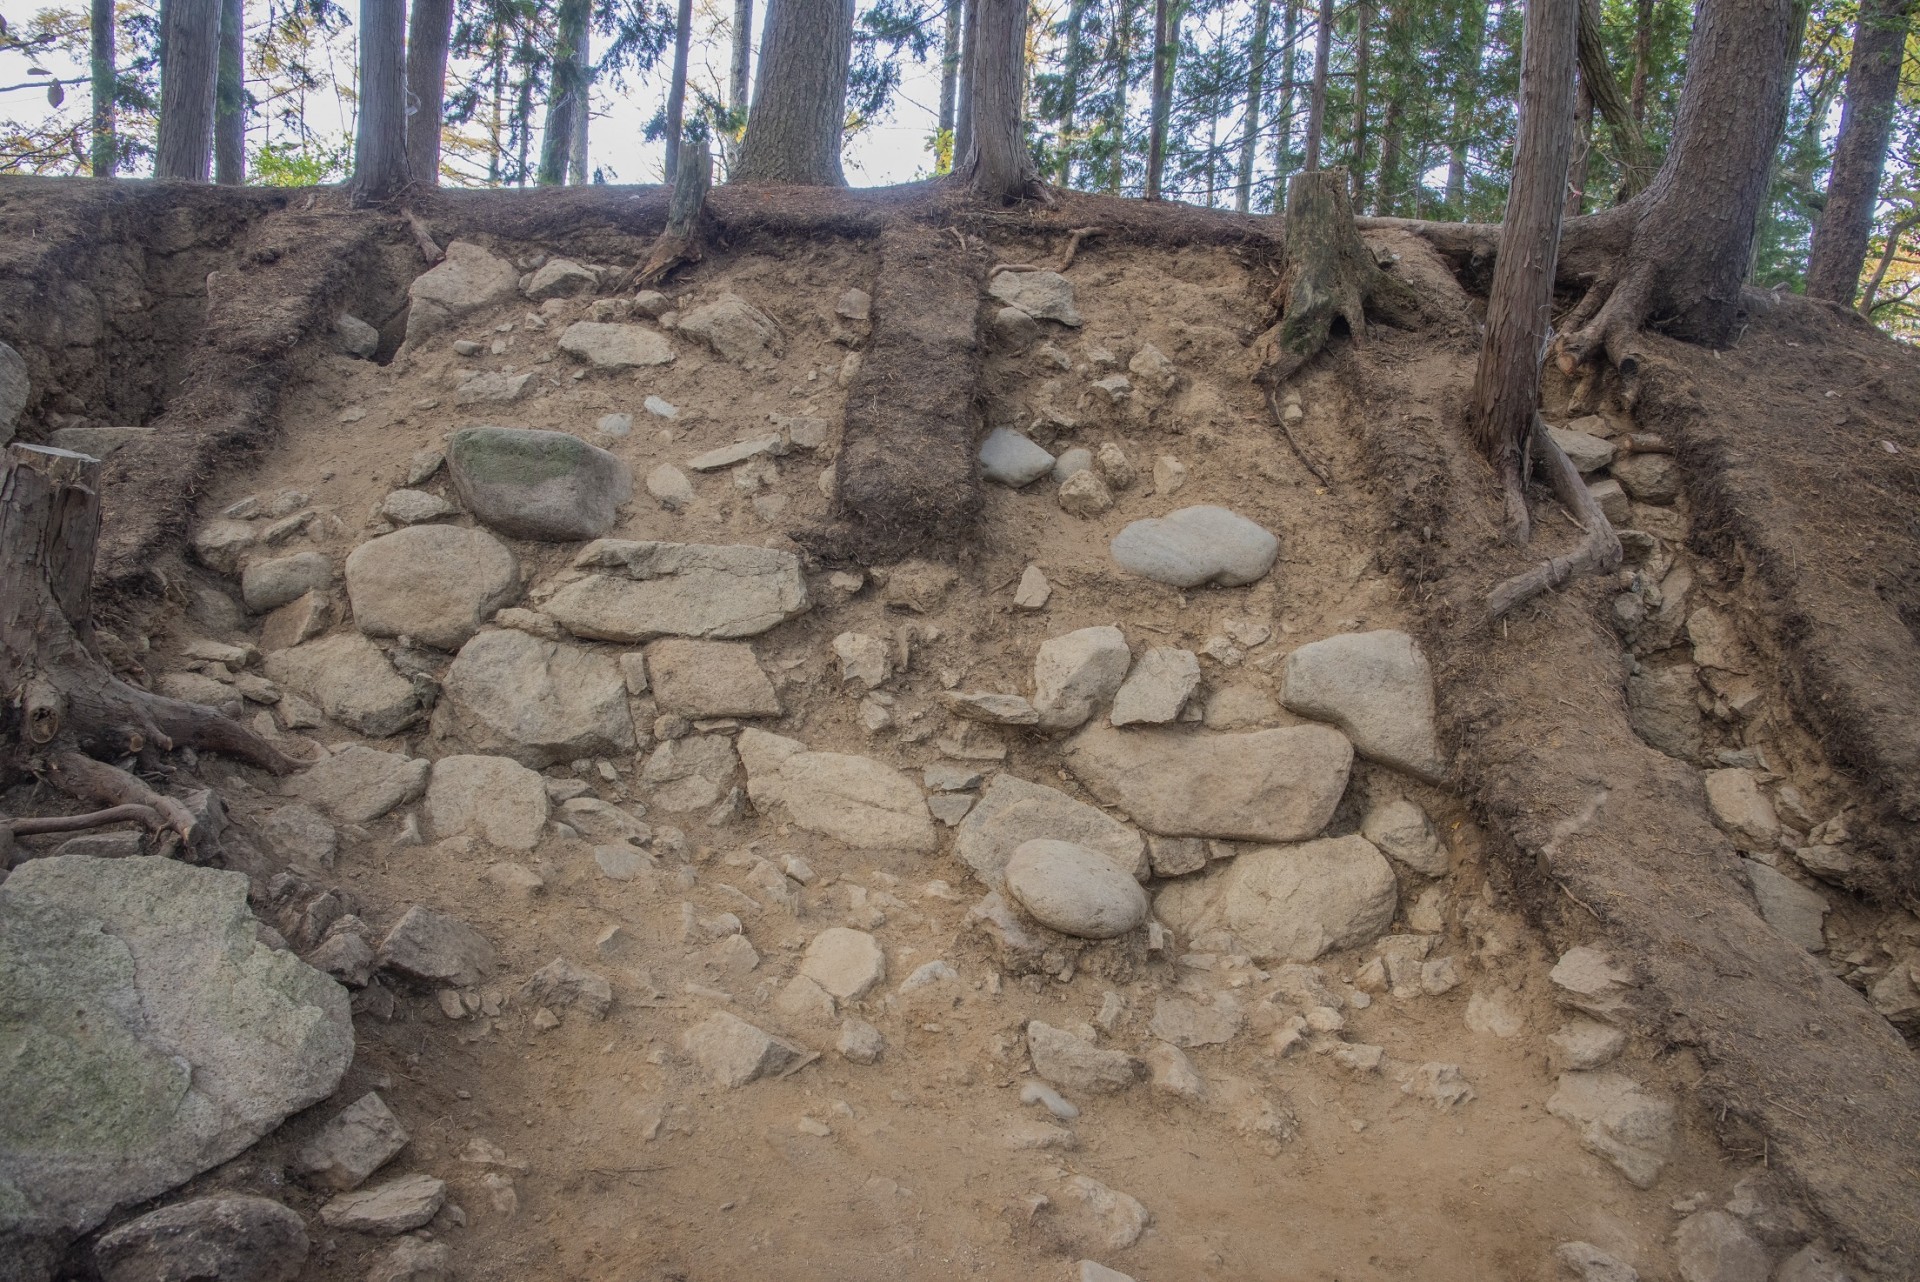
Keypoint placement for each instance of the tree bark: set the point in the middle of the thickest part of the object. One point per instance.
(1642, 60)
(800, 97)
(999, 167)
(380, 146)
(737, 74)
(1689, 235)
(1506, 385)
(683, 241)
(1466, 91)
(1846, 223)
(1887, 255)
(677, 86)
(1582, 147)
(230, 98)
(1166, 48)
(583, 118)
(1120, 49)
(950, 66)
(1317, 96)
(1600, 90)
(1283, 137)
(189, 78)
(105, 79)
(1256, 86)
(430, 28)
(567, 95)
(1362, 42)
(1073, 60)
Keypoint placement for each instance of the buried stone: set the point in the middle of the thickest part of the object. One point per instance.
(527, 484)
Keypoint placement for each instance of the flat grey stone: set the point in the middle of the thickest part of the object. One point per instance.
(855, 800)
(436, 949)
(616, 347)
(1741, 810)
(1796, 911)
(990, 708)
(1041, 295)
(1077, 1064)
(1649, 478)
(670, 486)
(560, 984)
(1266, 785)
(1377, 687)
(1712, 1246)
(356, 337)
(150, 1034)
(735, 329)
(1618, 1121)
(539, 702)
(1196, 545)
(1587, 452)
(733, 1052)
(298, 831)
(352, 682)
(359, 784)
(1012, 812)
(415, 507)
(1158, 687)
(648, 590)
(467, 279)
(1074, 890)
(1012, 459)
(846, 963)
(231, 1239)
(386, 1209)
(550, 486)
(268, 585)
(1077, 673)
(710, 679)
(491, 388)
(359, 1140)
(558, 278)
(1404, 834)
(434, 583)
(495, 799)
(1289, 903)
(738, 452)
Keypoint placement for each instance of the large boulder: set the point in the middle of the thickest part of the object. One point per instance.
(148, 1034)
(735, 329)
(1041, 295)
(648, 590)
(467, 279)
(616, 347)
(223, 1239)
(539, 702)
(1377, 687)
(434, 583)
(1267, 785)
(358, 784)
(351, 680)
(1012, 812)
(550, 486)
(1289, 903)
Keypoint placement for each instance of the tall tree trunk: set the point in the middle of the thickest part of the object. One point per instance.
(1386, 183)
(1506, 385)
(1121, 55)
(1601, 90)
(1582, 148)
(1683, 243)
(950, 66)
(1466, 91)
(567, 96)
(230, 97)
(999, 167)
(1073, 61)
(1873, 78)
(1166, 48)
(963, 111)
(1642, 59)
(105, 78)
(1256, 86)
(677, 86)
(737, 77)
(1317, 99)
(1888, 253)
(429, 29)
(1283, 136)
(189, 78)
(1362, 57)
(380, 145)
(583, 118)
(800, 97)
(497, 148)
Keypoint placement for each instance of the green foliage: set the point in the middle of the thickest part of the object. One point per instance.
(302, 163)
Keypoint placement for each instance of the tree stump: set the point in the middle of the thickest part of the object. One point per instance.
(64, 716)
(683, 240)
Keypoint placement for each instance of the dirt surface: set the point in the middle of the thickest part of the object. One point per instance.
(594, 1146)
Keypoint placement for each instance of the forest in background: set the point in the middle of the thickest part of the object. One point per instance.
(1204, 101)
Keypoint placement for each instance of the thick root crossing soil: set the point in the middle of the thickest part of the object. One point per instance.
(1573, 1023)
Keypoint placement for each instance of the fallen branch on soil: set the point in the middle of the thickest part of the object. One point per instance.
(682, 242)
(429, 248)
(1279, 414)
(1599, 554)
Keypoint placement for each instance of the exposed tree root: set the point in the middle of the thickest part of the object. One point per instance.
(1599, 554)
(42, 825)
(1066, 259)
(1279, 414)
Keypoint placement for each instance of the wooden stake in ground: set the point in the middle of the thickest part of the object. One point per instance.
(64, 713)
(683, 241)
(1506, 386)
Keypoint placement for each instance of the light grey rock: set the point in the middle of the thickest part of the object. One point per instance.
(491, 387)
(1662, 708)
(230, 1239)
(467, 279)
(1093, 1271)
(1152, 370)
(1796, 911)
(1158, 687)
(1240, 707)
(1077, 459)
(1176, 856)
(150, 1034)
(386, 1209)
(1587, 979)
(433, 948)
(710, 679)
(434, 583)
(558, 278)
(550, 486)
(1075, 890)
(1377, 687)
(614, 425)
(1174, 1074)
(670, 486)
(1076, 673)
(616, 347)
(738, 452)
(270, 584)
(560, 984)
(359, 784)
(1404, 834)
(1712, 1246)
(1268, 785)
(300, 832)
(734, 1052)
(220, 544)
(1012, 812)
(649, 590)
(690, 773)
(1587, 452)
(356, 337)
(415, 507)
(1741, 810)
(1289, 903)
(1011, 459)
(414, 1259)
(1041, 295)
(362, 1137)
(1118, 1218)
(846, 963)
(1182, 1022)
(1196, 545)
(1077, 1064)
(854, 800)
(860, 1042)
(1649, 478)
(1085, 494)
(735, 329)
(1585, 1262)
(1034, 589)
(1812, 1263)
(495, 799)
(95, 442)
(1618, 1121)
(15, 388)
(854, 305)
(352, 682)
(1582, 1045)
(1612, 501)
(539, 702)
(865, 661)
(989, 708)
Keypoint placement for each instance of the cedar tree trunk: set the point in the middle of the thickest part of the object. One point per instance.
(737, 73)
(1873, 78)
(380, 147)
(677, 86)
(230, 98)
(577, 162)
(963, 110)
(1073, 58)
(1166, 47)
(568, 96)
(1256, 85)
(999, 167)
(430, 28)
(106, 148)
(950, 66)
(189, 76)
(800, 97)
(1317, 96)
